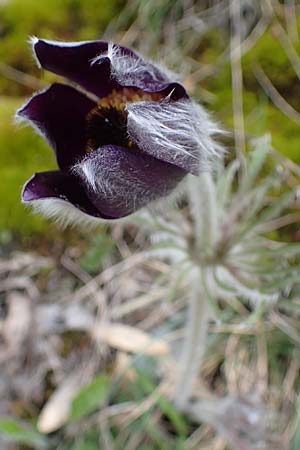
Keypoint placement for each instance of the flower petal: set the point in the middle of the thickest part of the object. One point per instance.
(100, 67)
(59, 113)
(126, 179)
(129, 69)
(74, 61)
(67, 198)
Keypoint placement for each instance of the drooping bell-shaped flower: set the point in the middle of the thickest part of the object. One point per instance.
(124, 134)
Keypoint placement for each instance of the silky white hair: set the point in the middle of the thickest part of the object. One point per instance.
(181, 128)
(89, 169)
(115, 186)
(129, 70)
(64, 213)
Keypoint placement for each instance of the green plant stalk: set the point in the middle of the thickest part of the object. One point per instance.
(193, 347)
(204, 211)
(203, 205)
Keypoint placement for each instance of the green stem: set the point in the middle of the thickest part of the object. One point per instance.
(204, 211)
(193, 347)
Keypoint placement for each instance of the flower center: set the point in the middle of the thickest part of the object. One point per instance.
(107, 122)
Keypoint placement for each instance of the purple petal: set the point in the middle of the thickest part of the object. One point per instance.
(60, 186)
(91, 65)
(127, 179)
(74, 61)
(59, 113)
(175, 90)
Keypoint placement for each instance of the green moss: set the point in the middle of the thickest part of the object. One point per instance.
(269, 53)
(261, 115)
(52, 19)
(285, 134)
(23, 153)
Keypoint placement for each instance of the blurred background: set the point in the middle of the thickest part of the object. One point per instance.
(63, 383)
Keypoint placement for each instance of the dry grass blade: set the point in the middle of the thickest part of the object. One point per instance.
(16, 331)
(280, 222)
(129, 339)
(245, 424)
(56, 411)
(286, 44)
(137, 303)
(91, 288)
(274, 95)
(237, 81)
(259, 28)
(20, 77)
(291, 20)
(25, 262)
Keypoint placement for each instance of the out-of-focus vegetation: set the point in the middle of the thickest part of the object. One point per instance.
(203, 44)
(23, 153)
(89, 324)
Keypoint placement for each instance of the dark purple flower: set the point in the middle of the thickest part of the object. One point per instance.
(124, 134)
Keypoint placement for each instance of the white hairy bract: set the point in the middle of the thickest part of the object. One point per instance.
(182, 129)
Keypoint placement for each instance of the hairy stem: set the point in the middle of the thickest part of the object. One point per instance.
(204, 211)
(193, 347)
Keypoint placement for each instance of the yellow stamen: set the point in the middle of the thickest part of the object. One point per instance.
(111, 110)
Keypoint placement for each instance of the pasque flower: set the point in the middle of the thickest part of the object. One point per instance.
(123, 133)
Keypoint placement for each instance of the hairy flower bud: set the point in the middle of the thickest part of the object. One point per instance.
(124, 136)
